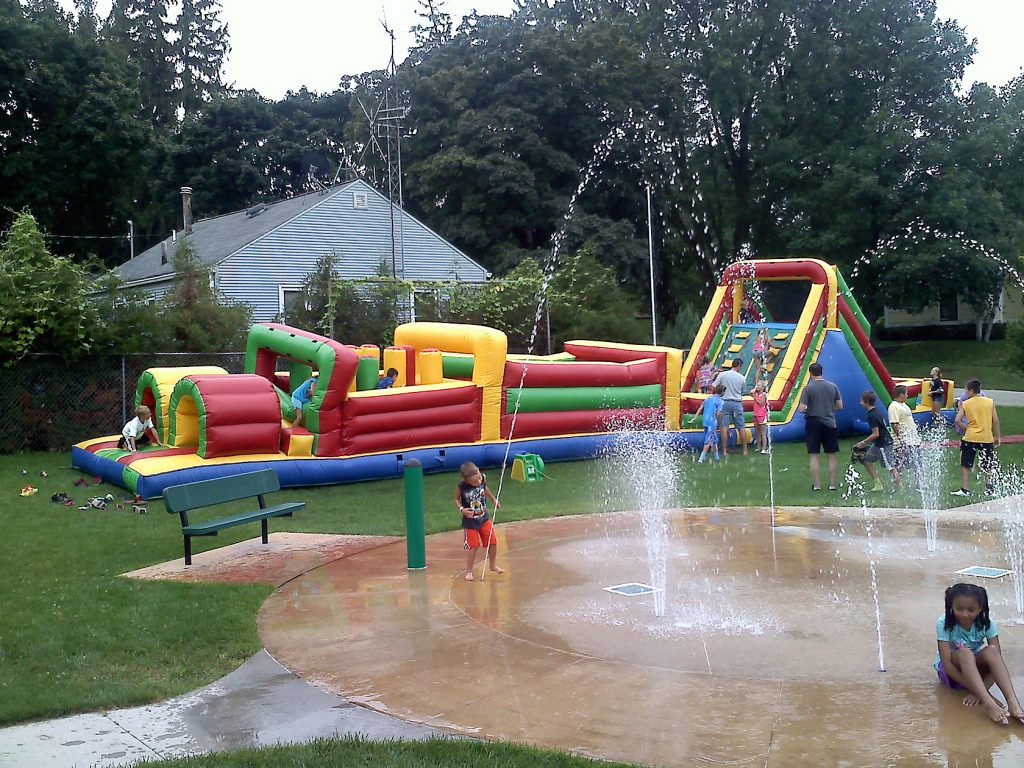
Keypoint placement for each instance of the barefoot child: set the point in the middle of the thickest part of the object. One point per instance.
(139, 431)
(760, 398)
(712, 409)
(969, 654)
(471, 497)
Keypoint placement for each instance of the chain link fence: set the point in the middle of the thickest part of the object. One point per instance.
(48, 404)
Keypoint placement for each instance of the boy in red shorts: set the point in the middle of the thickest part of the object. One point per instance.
(471, 497)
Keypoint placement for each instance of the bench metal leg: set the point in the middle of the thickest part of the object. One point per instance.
(265, 528)
(188, 550)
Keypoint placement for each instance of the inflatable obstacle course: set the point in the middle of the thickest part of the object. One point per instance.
(460, 396)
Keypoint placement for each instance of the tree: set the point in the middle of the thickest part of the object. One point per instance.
(141, 29)
(86, 20)
(198, 53)
(196, 318)
(71, 147)
(435, 27)
(43, 305)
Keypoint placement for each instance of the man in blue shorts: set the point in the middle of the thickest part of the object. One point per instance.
(732, 404)
(818, 403)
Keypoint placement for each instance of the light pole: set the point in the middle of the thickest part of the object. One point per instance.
(131, 239)
(650, 252)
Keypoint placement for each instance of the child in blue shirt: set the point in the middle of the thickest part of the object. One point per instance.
(388, 381)
(969, 655)
(712, 409)
(301, 397)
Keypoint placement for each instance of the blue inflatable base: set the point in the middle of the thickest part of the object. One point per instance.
(299, 472)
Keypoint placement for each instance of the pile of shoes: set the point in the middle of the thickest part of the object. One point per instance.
(98, 502)
(62, 498)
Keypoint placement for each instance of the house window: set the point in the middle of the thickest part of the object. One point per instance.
(949, 309)
(291, 298)
(359, 200)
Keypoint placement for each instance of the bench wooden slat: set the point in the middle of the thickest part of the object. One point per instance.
(208, 493)
(199, 529)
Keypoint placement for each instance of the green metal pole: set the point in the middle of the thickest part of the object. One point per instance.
(415, 524)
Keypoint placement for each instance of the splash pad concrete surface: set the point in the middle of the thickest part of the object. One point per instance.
(767, 653)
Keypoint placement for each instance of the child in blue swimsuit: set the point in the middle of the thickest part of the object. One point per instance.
(969, 655)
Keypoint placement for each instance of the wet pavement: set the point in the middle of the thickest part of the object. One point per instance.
(768, 653)
(259, 704)
(285, 556)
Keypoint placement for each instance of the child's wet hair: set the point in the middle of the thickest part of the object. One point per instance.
(968, 590)
(468, 468)
(720, 389)
(142, 409)
(392, 373)
(868, 397)
(704, 360)
(899, 389)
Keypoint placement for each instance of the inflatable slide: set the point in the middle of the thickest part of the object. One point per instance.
(810, 316)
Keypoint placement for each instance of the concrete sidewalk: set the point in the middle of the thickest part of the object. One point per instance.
(1006, 397)
(259, 704)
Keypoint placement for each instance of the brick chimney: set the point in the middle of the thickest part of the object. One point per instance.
(186, 208)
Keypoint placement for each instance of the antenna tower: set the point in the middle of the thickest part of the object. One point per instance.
(385, 128)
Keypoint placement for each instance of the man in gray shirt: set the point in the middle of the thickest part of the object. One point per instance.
(732, 406)
(818, 403)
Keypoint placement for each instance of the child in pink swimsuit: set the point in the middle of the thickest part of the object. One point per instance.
(760, 398)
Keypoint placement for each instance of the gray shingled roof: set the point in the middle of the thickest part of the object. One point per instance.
(217, 238)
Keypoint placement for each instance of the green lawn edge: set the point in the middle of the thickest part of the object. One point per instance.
(430, 753)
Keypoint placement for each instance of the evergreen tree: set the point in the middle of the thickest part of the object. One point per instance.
(71, 143)
(142, 30)
(86, 22)
(198, 52)
(435, 29)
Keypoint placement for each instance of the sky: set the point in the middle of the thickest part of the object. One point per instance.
(281, 45)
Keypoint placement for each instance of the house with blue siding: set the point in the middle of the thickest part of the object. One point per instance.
(262, 255)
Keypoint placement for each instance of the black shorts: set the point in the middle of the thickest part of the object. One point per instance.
(969, 450)
(819, 436)
(143, 439)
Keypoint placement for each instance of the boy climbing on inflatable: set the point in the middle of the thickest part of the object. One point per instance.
(301, 397)
(139, 431)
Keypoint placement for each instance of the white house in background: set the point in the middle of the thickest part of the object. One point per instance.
(262, 255)
(950, 309)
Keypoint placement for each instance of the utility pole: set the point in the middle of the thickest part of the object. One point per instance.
(650, 251)
(131, 239)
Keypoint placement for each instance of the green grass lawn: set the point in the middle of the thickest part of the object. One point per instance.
(75, 637)
(959, 360)
(432, 753)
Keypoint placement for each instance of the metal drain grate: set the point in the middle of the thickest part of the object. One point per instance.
(632, 589)
(984, 572)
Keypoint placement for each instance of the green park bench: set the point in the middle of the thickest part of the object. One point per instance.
(185, 498)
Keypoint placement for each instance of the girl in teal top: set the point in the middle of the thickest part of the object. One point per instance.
(969, 655)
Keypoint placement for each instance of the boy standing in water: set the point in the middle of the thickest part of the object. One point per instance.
(471, 497)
